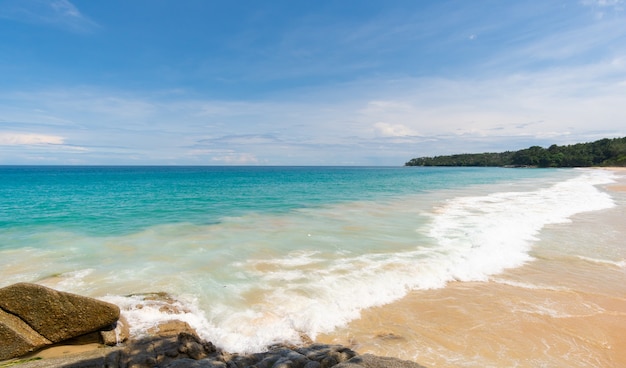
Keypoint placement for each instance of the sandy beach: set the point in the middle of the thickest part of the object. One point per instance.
(558, 310)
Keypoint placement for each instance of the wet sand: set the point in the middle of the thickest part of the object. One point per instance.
(494, 325)
(618, 188)
(565, 308)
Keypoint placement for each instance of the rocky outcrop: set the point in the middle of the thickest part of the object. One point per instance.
(187, 350)
(17, 338)
(373, 361)
(33, 316)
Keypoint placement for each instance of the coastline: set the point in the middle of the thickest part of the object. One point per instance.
(557, 310)
(619, 187)
(438, 321)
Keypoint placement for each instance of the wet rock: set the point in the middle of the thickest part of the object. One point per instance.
(119, 333)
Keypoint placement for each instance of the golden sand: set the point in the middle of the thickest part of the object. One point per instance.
(64, 350)
(617, 188)
(495, 325)
(614, 168)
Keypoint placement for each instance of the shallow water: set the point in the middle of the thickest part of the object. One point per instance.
(443, 266)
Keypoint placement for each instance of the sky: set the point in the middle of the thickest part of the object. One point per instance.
(344, 82)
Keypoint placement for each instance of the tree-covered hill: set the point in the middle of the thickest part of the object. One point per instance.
(605, 152)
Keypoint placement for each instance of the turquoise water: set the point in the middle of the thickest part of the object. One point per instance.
(121, 200)
(258, 255)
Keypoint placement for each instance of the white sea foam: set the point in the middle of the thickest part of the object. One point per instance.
(143, 314)
(487, 234)
(526, 285)
(73, 279)
(555, 309)
(619, 264)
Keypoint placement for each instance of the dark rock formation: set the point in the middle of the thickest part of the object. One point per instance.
(373, 361)
(187, 350)
(29, 310)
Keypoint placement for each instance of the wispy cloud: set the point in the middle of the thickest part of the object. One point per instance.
(385, 121)
(617, 4)
(56, 13)
(603, 8)
(383, 129)
(28, 139)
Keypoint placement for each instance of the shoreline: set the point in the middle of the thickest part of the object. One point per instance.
(460, 306)
(619, 187)
(560, 309)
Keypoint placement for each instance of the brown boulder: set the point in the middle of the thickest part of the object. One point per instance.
(171, 328)
(57, 315)
(17, 337)
(119, 333)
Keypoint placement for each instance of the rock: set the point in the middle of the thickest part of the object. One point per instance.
(171, 328)
(373, 361)
(187, 350)
(319, 352)
(57, 315)
(195, 348)
(175, 344)
(17, 337)
(117, 335)
(163, 350)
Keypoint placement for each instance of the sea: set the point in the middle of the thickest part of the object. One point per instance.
(448, 267)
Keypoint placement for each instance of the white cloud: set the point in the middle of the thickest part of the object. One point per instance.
(382, 129)
(29, 139)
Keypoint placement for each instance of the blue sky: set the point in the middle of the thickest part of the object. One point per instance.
(342, 82)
